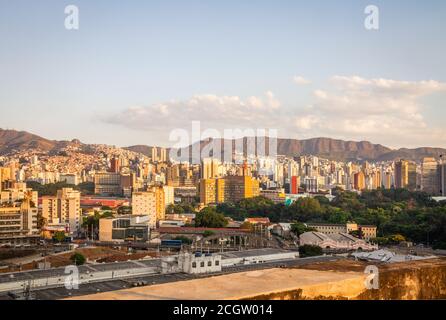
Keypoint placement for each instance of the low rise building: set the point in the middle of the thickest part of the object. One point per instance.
(124, 228)
(200, 263)
(364, 231)
(277, 196)
(336, 242)
(281, 229)
(257, 256)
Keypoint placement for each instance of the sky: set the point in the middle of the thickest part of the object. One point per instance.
(137, 71)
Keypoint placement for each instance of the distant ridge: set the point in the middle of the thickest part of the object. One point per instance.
(340, 150)
(12, 140)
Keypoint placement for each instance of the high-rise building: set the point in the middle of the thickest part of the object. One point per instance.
(293, 169)
(295, 183)
(443, 176)
(160, 202)
(359, 181)
(209, 168)
(114, 184)
(401, 174)
(412, 176)
(169, 195)
(430, 182)
(64, 208)
(311, 184)
(154, 154)
(107, 183)
(18, 222)
(163, 155)
(228, 189)
(5, 176)
(144, 203)
(387, 180)
(115, 165)
(208, 191)
(18, 192)
(405, 175)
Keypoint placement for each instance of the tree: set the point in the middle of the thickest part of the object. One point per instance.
(93, 221)
(208, 233)
(180, 208)
(298, 228)
(210, 218)
(247, 226)
(41, 221)
(122, 210)
(305, 209)
(396, 238)
(183, 239)
(78, 259)
(59, 236)
(310, 251)
(357, 234)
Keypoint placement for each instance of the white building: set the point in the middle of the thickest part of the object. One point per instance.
(200, 263)
(257, 256)
(169, 195)
(69, 178)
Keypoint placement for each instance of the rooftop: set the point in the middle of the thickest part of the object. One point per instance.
(240, 286)
(251, 253)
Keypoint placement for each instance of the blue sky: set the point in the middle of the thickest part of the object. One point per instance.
(138, 69)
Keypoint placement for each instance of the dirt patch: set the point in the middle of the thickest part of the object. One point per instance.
(359, 266)
(339, 265)
(133, 256)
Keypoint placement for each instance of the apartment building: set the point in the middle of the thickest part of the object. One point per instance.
(228, 189)
(144, 204)
(18, 222)
(18, 192)
(64, 208)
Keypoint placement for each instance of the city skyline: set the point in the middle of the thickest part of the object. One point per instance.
(131, 74)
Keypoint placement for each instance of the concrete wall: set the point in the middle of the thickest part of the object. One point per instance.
(260, 259)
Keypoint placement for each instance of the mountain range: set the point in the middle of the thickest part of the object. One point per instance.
(13, 141)
(327, 148)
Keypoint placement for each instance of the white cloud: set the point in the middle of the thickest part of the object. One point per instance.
(299, 80)
(383, 111)
(379, 110)
(218, 112)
